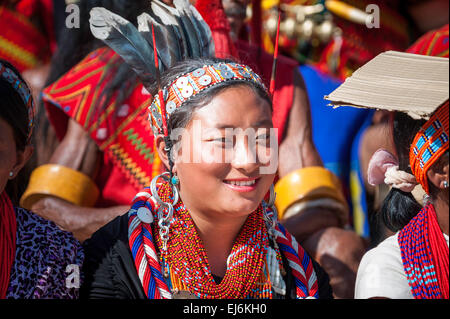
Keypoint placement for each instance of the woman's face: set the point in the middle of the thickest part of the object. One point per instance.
(226, 154)
(8, 157)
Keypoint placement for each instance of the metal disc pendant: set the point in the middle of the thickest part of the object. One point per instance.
(145, 215)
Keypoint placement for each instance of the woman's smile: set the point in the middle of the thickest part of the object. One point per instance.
(242, 185)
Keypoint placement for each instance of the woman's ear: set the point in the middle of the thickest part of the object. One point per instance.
(438, 173)
(161, 148)
(22, 158)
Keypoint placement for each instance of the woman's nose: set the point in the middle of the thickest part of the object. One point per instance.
(245, 155)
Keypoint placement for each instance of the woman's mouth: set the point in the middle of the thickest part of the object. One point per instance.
(242, 185)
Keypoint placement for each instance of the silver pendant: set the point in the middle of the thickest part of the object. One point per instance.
(276, 279)
(183, 294)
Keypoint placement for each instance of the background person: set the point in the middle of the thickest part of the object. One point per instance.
(29, 244)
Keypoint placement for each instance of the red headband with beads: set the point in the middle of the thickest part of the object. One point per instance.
(190, 84)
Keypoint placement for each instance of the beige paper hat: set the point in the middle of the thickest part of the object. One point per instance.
(397, 81)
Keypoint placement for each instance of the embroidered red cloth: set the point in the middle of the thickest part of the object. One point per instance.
(21, 42)
(126, 140)
(434, 43)
(214, 15)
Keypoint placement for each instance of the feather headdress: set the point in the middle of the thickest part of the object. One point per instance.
(180, 33)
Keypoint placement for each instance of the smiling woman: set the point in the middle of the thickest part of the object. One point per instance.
(206, 228)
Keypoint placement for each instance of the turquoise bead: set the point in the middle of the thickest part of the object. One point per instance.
(175, 180)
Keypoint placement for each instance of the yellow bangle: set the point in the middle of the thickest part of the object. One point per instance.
(59, 181)
(307, 184)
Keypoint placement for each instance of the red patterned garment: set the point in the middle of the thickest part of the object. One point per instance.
(434, 43)
(122, 132)
(213, 13)
(22, 42)
(425, 256)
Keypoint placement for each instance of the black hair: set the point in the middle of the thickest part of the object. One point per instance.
(14, 111)
(400, 207)
(181, 117)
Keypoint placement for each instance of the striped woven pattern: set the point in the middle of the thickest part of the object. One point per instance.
(429, 144)
(299, 262)
(141, 243)
(21, 42)
(144, 247)
(421, 264)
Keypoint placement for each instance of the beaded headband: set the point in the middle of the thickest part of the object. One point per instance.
(188, 85)
(429, 144)
(20, 87)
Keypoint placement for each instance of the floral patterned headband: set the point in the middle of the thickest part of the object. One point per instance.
(20, 87)
(188, 85)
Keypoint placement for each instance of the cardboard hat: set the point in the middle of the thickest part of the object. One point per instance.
(397, 81)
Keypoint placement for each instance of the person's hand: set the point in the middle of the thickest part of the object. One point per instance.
(81, 221)
(65, 215)
(54, 209)
(339, 252)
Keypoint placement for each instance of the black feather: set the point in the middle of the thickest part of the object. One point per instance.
(123, 37)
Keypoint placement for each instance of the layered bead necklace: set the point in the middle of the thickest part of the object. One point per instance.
(186, 263)
(179, 263)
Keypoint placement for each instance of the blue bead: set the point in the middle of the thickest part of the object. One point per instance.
(175, 180)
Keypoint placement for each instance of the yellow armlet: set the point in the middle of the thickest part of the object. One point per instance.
(62, 182)
(307, 184)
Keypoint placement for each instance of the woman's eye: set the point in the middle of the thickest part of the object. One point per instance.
(224, 141)
(263, 137)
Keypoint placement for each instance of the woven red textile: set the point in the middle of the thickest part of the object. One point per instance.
(434, 43)
(425, 256)
(214, 15)
(7, 241)
(122, 132)
(21, 42)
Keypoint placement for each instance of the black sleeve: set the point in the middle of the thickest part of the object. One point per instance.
(108, 268)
